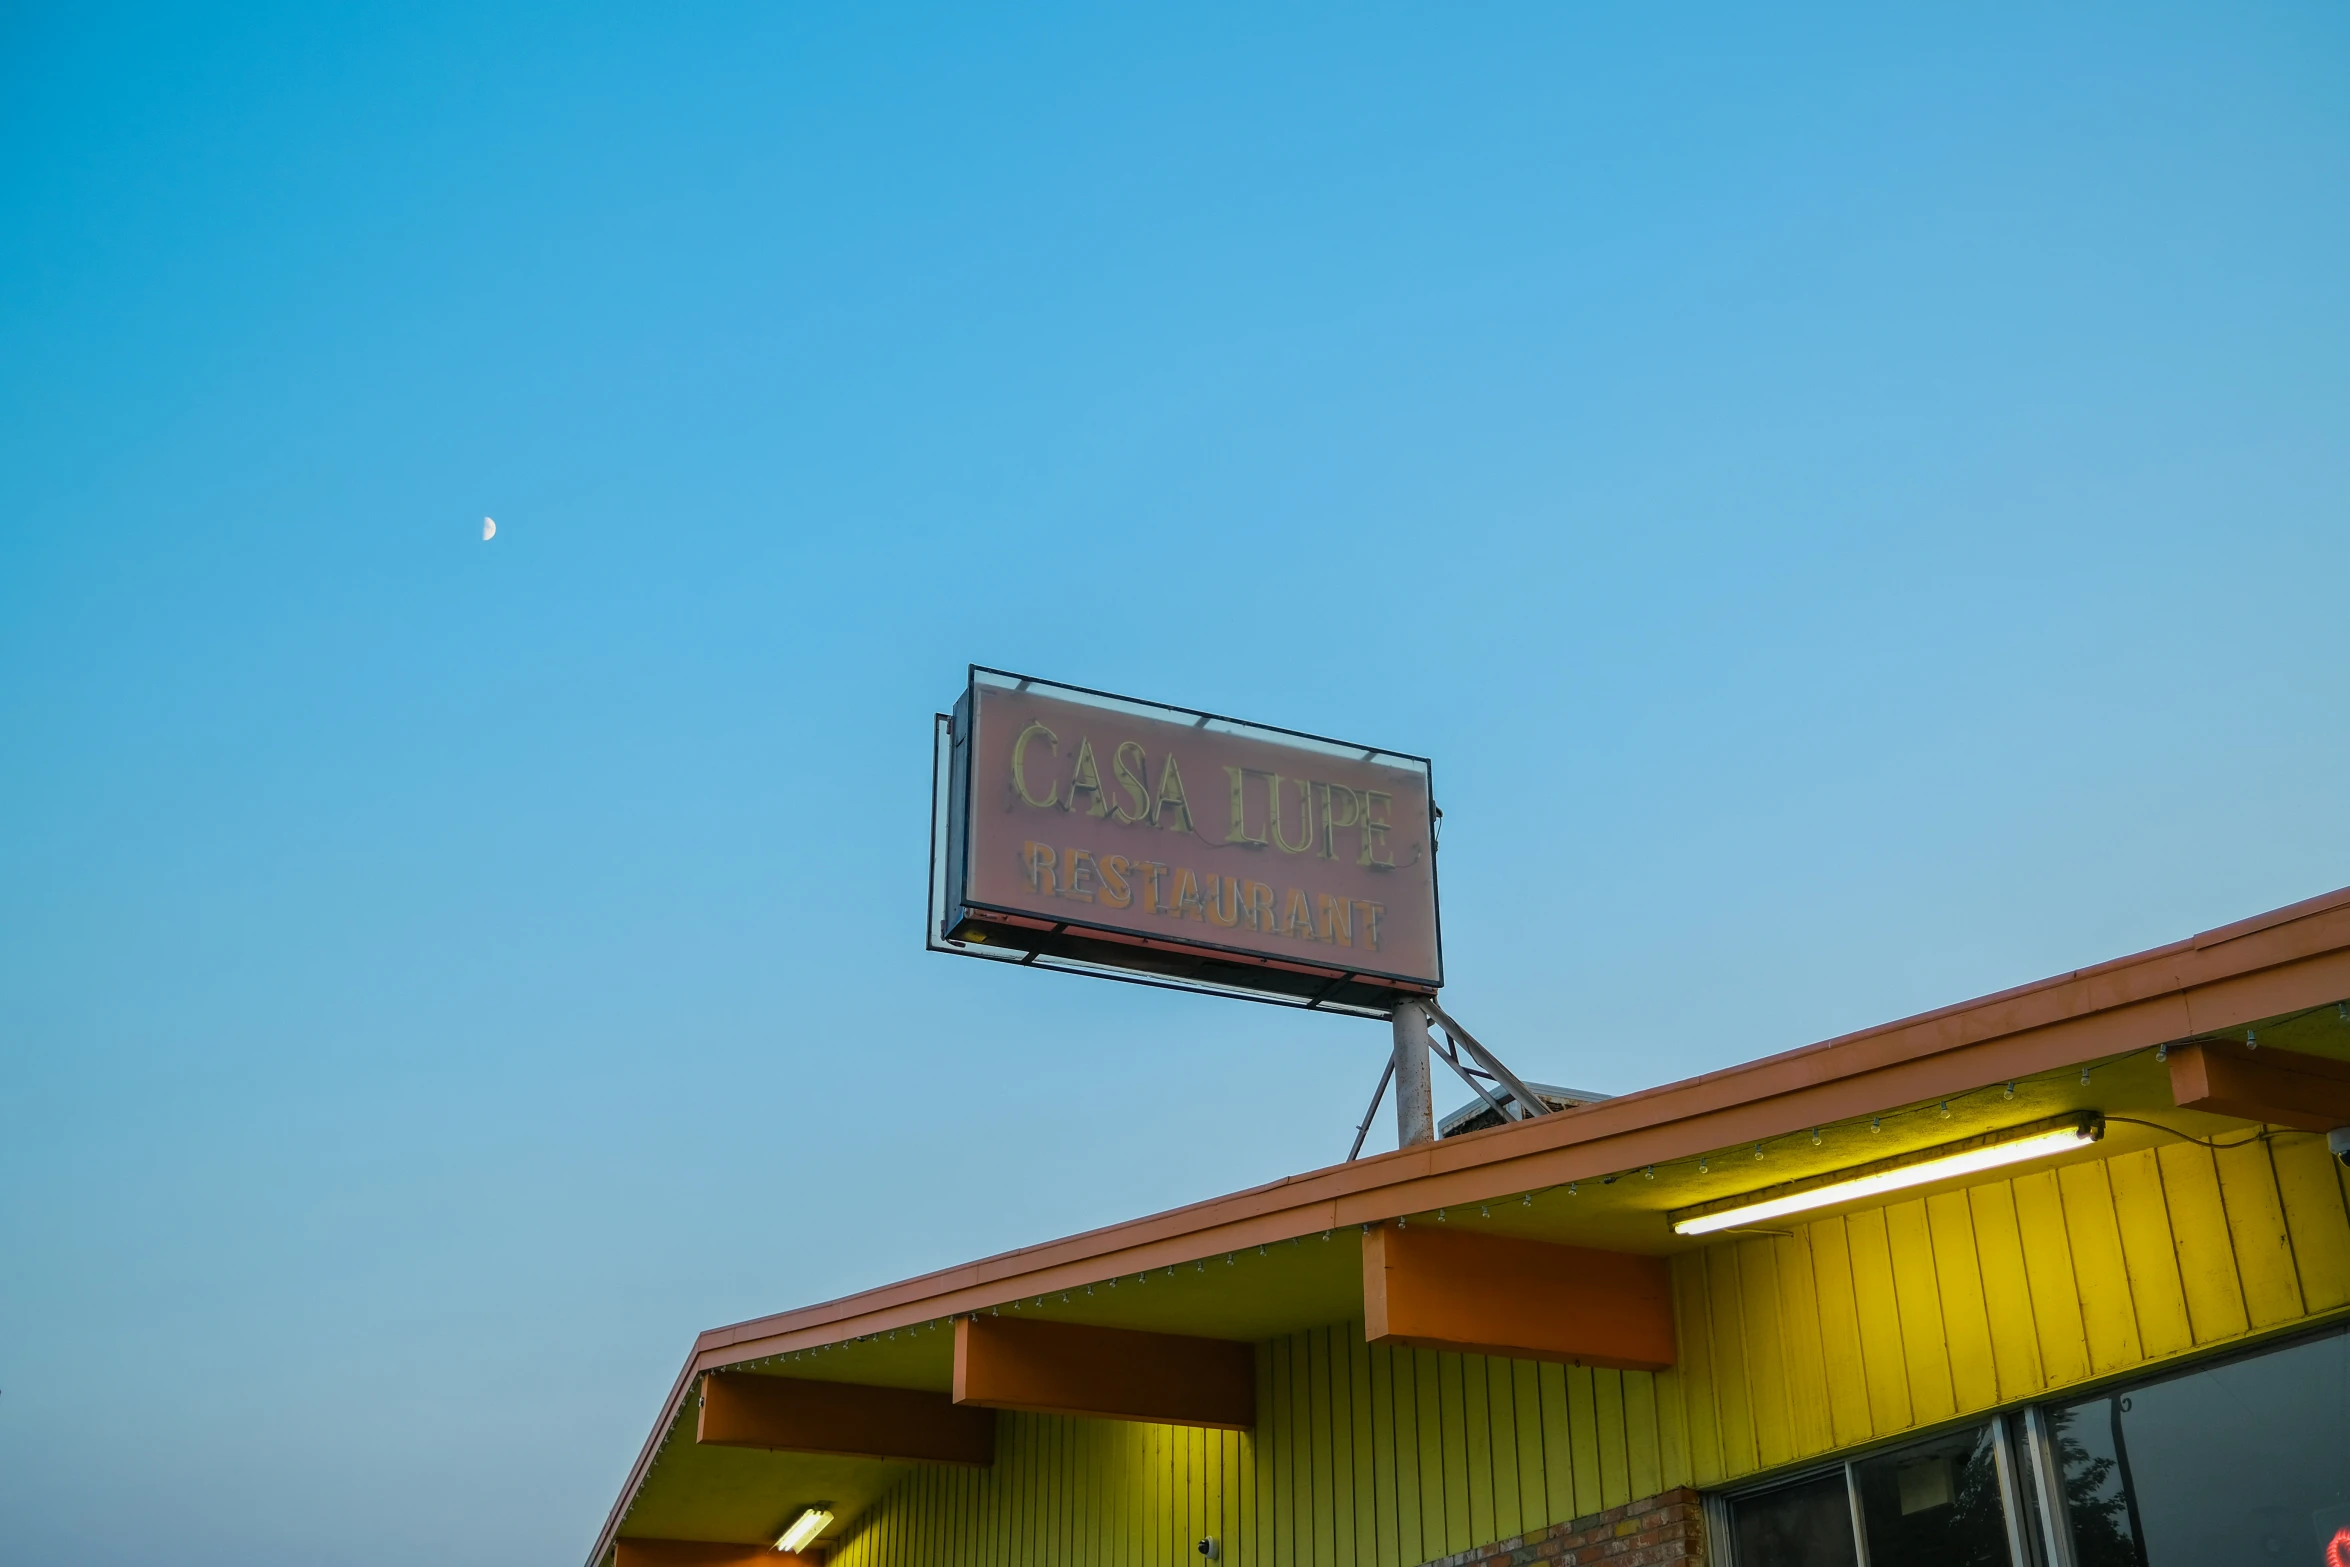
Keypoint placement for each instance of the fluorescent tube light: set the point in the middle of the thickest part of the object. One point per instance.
(804, 1528)
(2035, 1140)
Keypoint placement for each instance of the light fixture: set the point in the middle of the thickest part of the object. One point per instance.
(811, 1523)
(2033, 1140)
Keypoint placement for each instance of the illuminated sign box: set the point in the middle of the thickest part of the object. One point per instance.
(1073, 829)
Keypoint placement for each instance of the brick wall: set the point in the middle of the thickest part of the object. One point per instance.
(1656, 1529)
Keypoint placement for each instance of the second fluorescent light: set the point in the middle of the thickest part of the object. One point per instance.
(804, 1528)
(2034, 1140)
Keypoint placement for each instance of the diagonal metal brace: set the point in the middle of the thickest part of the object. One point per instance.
(1450, 1056)
(1386, 1074)
(1530, 1103)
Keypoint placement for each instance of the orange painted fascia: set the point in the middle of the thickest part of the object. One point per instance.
(2281, 961)
(1067, 1368)
(2277, 1087)
(1526, 1300)
(785, 1414)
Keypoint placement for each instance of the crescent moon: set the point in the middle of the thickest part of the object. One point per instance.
(489, 529)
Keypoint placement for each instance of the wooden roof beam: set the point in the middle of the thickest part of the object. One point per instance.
(1435, 1288)
(1066, 1368)
(2278, 1087)
(846, 1419)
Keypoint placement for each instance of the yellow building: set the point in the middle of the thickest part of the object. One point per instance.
(1575, 1338)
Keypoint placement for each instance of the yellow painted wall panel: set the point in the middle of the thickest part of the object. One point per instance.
(1958, 1278)
(1453, 1423)
(1477, 1448)
(2150, 1255)
(1533, 1478)
(1760, 1319)
(1501, 1413)
(2317, 1216)
(1282, 1429)
(1558, 1460)
(1693, 1336)
(1263, 1507)
(2207, 1256)
(1583, 1417)
(1644, 1467)
(2048, 1270)
(1322, 1498)
(2007, 1294)
(2109, 1317)
(1411, 1539)
(1672, 1434)
(2256, 1226)
(1387, 1487)
(1615, 1473)
(1841, 1362)
(1425, 1385)
(1878, 1307)
(1366, 1478)
(1918, 1299)
(1799, 1317)
(1733, 1395)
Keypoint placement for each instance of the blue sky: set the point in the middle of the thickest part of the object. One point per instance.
(1855, 502)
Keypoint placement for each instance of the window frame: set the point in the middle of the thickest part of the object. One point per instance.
(2004, 1463)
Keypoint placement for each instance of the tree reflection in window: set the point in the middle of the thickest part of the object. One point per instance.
(2094, 1495)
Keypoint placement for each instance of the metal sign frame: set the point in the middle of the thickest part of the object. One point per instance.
(1077, 947)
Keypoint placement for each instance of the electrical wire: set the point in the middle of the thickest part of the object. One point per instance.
(2255, 1137)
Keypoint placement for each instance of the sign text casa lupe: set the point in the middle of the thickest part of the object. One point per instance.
(1085, 830)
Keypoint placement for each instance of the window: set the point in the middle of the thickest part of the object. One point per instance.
(2241, 1460)
(1937, 1502)
(1808, 1524)
(2245, 1460)
(1945, 1501)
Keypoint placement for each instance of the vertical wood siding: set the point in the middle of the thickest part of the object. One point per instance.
(1362, 1457)
(1848, 1330)
(1874, 1323)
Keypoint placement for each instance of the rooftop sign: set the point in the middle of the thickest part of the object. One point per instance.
(1075, 829)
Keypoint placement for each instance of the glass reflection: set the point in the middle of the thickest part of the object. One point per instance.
(1936, 1502)
(1807, 1525)
(2246, 1461)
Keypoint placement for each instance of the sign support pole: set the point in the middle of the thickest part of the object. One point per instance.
(1415, 1105)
